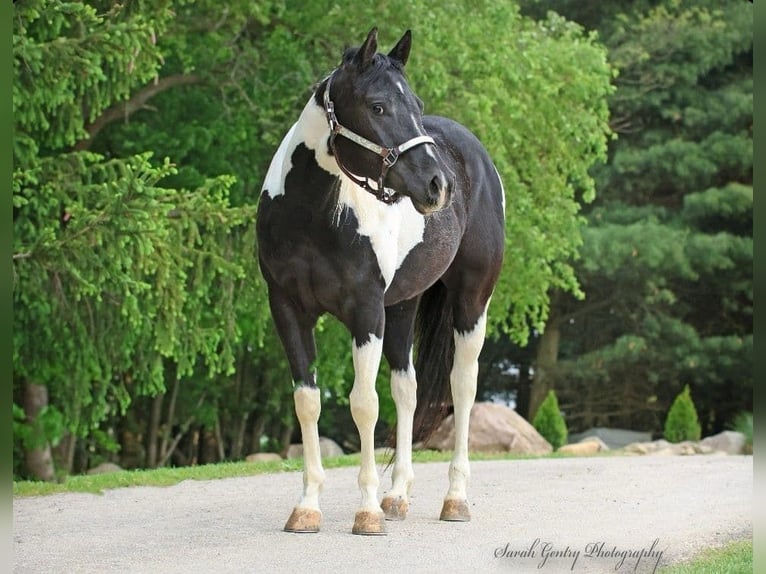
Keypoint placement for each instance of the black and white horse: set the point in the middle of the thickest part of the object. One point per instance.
(389, 220)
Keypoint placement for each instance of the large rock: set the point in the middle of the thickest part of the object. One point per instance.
(327, 448)
(492, 428)
(730, 442)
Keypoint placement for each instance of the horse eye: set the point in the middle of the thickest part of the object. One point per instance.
(377, 109)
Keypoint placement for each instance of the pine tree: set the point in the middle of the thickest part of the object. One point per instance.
(550, 423)
(682, 423)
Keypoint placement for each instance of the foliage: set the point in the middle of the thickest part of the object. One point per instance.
(666, 263)
(549, 421)
(743, 423)
(682, 423)
(143, 133)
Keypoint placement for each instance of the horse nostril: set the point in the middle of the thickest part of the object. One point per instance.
(437, 189)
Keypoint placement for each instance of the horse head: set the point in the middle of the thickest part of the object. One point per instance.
(377, 128)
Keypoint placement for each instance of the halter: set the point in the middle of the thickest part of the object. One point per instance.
(389, 155)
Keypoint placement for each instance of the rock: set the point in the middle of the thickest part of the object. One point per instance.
(263, 457)
(730, 442)
(492, 428)
(586, 447)
(612, 437)
(327, 448)
(105, 468)
(649, 447)
(664, 448)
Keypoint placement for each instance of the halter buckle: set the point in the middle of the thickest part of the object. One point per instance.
(332, 119)
(390, 158)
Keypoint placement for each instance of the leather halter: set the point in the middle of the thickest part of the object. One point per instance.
(389, 155)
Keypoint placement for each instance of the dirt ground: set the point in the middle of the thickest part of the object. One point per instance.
(601, 514)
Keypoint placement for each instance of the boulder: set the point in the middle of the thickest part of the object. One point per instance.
(730, 442)
(586, 447)
(327, 448)
(492, 428)
(263, 457)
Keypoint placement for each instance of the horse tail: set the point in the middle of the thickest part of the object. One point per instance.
(435, 349)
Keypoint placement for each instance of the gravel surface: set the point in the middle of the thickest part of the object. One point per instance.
(601, 514)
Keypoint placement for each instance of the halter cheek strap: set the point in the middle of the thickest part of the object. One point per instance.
(388, 155)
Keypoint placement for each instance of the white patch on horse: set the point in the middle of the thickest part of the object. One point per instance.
(393, 230)
(281, 163)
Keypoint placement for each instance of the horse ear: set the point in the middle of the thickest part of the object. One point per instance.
(401, 51)
(367, 50)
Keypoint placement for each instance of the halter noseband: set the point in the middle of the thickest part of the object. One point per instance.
(389, 155)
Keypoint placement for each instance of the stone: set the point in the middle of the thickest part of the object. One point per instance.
(327, 448)
(492, 428)
(263, 457)
(586, 447)
(105, 468)
(730, 442)
(612, 437)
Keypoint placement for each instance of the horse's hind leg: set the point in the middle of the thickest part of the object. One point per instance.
(470, 328)
(296, 332)
(397, 347)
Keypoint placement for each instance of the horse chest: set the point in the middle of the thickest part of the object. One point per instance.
(322, 259)
(393, 231)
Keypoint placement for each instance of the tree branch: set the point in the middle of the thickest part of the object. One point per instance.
(138, 101)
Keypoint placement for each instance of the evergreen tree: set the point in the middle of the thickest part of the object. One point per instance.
(666, 261)
(549, 422)
(682, 423)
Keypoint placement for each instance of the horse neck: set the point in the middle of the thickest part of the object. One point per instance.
(313, 130)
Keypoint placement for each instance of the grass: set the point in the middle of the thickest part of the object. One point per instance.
(736, 558)
(98, 483)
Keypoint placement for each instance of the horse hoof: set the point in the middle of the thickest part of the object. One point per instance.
(395, 508)
(455, 511)
(369, 523)
(303, 520)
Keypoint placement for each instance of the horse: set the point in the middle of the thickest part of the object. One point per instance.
(393, 222)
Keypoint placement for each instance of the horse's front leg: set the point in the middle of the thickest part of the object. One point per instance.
(368, 346)
(295, 330)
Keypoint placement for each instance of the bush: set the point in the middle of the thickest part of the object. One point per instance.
(744, 423)
(549, 422)
(682, 422)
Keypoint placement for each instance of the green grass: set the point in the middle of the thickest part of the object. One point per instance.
(98, 483)
(736, 558)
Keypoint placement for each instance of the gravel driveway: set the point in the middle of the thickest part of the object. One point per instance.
(601, 514)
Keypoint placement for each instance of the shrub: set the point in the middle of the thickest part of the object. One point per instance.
(549, 422)
(743, 423)
(682, 422)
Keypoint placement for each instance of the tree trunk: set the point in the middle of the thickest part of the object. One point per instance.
(38, 458)
(152, 438)
(259, 426)
(545, 363)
